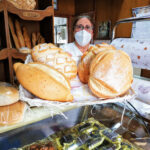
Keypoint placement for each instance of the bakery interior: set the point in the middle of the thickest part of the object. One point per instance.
(39, 107)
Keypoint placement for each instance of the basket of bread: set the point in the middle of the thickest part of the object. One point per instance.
(51, 77)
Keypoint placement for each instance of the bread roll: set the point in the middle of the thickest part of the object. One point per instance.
(13, 33)
(111, 74)
(8, 94)
(26, 38)
(12, 114)
(53, 56)
(19, 33)
(84, 64)
(43, 81)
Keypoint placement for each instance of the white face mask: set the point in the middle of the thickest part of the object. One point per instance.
(83, 37)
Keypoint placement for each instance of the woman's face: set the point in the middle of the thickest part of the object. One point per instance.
(85, 24)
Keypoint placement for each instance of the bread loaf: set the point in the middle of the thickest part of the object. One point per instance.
(38, 36)
(34, 39)
(111, 74)
(19, 33)
(8, 94)
(26, 38)
(12, 114)
(24, 4)
(43, 81)
(84, 64)
(13, 33)
(53, 56)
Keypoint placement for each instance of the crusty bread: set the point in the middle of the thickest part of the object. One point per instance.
(43, 81)
(19, 33)
(12, 114)
(26, 38)
(34, 39)
(8, 94)
(53, 56)
(11, 25)
(84, 64)
(111, 74)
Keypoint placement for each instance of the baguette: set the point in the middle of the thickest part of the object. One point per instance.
(26, 38)
(19, 33)
(13, 33)
(34, 39)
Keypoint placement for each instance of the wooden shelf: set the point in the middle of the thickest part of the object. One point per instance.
(34, 15)
(1, 6)
(10, 53)
(43, 24)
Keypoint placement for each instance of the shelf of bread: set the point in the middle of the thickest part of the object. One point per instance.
(34, 15)
(26, 34)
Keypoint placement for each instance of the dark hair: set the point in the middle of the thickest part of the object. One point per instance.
(80, 17)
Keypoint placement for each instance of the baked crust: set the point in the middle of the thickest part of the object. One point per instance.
(43, 81)
(111, 74)
(12, 114)
(84, 64)
(8, 94)
(53, 56)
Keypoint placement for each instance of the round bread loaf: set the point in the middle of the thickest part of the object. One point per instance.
(43, 81)
(87, 57)
(111, 74)
(12, 114)
(8, 94)
(53, 56)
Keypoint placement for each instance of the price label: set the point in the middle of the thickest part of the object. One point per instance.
(31, 14)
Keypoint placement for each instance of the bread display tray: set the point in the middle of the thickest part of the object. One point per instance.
(81, 93)
(128, 124)
(82, 96)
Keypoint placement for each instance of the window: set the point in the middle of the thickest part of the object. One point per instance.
(60, 30)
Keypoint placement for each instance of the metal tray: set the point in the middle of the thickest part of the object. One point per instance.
(114, 116)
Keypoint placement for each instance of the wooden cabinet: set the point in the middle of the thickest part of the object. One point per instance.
(39, 20)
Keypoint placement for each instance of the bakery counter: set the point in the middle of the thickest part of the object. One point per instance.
(113, 116)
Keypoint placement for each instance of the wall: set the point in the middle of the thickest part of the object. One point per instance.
(124, 10)
(110, 10)
(65, 8)
(84, 6)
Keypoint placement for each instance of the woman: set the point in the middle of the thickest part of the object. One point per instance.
(83, 34)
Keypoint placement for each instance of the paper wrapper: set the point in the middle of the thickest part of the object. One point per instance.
(138, 50)
(82, 96)
(81, 93)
